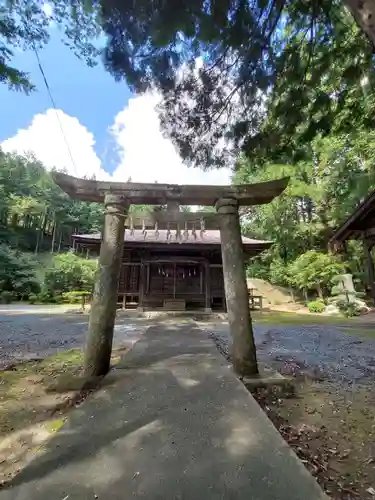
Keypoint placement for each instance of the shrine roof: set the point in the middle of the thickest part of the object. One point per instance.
(159, 194)
(359, 221)
(208, 237)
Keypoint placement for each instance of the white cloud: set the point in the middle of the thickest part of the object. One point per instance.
(143, 153)
(44, 139)
(47, 9)
(147, 156)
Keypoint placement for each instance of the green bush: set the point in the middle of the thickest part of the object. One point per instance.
(17, 273)
(314, 270)
(348, 309)
(45, 297)
(6, 297)
(70, 272)
(58, 299)
(33, 299)
(316, 306)
(75, 296)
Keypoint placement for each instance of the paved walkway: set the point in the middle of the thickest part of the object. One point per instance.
(175, 424)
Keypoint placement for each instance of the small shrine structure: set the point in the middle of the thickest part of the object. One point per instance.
(117, 198)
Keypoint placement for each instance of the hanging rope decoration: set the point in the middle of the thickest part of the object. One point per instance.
(178, 232)
(194, 232)
(168, 231)
(175, 230)
(203, 227)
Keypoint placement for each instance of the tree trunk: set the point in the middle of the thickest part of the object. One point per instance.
(292, 293)
(36, 251)
(4, 216)
(39, 238)
(370, 269)
(60, 240)
(14, 220)
(44, 222)
(363, 12)
(53, 237)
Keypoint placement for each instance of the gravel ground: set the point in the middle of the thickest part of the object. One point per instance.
(324, 350)
(33, 332)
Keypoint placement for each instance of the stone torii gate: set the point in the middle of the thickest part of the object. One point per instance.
(117, 198)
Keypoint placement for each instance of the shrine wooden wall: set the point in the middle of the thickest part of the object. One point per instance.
(150, 278)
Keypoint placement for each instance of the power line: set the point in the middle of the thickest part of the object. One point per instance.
(54, 107)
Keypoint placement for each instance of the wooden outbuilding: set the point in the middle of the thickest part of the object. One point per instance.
(360, 225)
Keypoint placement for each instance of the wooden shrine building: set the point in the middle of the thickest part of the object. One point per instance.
(162, 270)
(360, 225)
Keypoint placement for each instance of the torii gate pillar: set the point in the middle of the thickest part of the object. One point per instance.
(243, 347)
(103, 309)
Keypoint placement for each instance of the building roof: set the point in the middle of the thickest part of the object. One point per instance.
(353, 227)
(208, 237)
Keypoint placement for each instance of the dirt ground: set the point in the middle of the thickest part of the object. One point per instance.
(35, 397)
(331, 430)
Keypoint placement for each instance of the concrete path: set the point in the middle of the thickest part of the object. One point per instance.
(175, 424)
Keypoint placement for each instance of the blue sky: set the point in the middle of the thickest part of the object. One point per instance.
(110, 132)
(91, 94)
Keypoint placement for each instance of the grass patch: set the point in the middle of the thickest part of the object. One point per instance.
(347, 325)
(54, 425)
(34, 399)
(368, 332)
(40, 370)
(289, 318)
(23, 389)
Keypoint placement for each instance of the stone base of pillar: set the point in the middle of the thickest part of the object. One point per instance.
(140, 309)
(207, 310)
